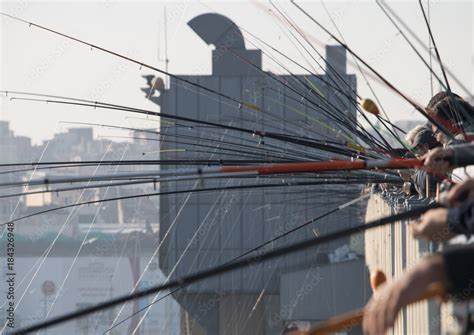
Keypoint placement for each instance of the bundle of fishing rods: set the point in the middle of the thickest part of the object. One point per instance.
(330, 147)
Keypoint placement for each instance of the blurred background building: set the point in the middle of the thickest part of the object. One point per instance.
(200, 230)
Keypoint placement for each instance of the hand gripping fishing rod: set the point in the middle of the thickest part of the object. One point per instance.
(351, 319)
(242, 263)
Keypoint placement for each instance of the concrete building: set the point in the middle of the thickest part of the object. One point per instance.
(200, 230)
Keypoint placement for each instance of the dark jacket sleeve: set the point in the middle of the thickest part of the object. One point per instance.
(459, 269)
(461, 219)
(463, 154)
(419, 180)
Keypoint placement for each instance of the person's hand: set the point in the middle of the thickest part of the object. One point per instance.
(461, 192)
(432, 226)
(439, 160)
(381, 311)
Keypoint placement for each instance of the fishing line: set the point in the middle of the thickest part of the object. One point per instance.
(390, 85)
(242, 263)
(258, 247)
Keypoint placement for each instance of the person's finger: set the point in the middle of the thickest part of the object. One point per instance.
(457, 193)
(415, 231)
(453, 193)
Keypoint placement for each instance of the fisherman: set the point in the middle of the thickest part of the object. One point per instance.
(421, 139)
(453, 268)
(458, 116)
(454, 113)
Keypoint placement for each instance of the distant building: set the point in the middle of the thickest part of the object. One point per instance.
(13, 148)
(113, 241)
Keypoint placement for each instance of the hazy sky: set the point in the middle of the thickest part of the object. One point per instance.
(36, 61)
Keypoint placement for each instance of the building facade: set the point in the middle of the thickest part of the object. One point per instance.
(200, 230)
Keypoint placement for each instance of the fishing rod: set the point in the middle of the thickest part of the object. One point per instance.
(343, 122)
(233, 152)
(257, 170)
(200, 138)
(295, 155)
(256, 153)
(256, 248)
(445, 84)
(189, 82)
(240, 103)
(359, 68)
(65, 165)
(96, 104)
(67, 189)
(141, 64)
(282, 183)
(146, 162)
(224, 268)
(340, 121)
(351, 141)
(334, 73)
(306, 69)
(326, 110)
(412, 46)
(312, 37)
(312, 89)
(338, 76)
(425, 48)
(455, 109)
(418, 107)
(354, 318)
(307, 142)
(142, 180)
(253, 112)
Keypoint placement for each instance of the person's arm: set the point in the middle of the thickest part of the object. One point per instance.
(442, 224)
(382, 310)
(463, 155)
(460, 220)
(453, 269)
(441, 160)
(459, 269)
(433, 226)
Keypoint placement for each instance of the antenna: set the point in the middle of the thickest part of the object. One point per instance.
(166, 59)
(430, 50)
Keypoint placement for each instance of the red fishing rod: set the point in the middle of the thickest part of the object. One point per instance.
(249, 171)
(282, 168)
